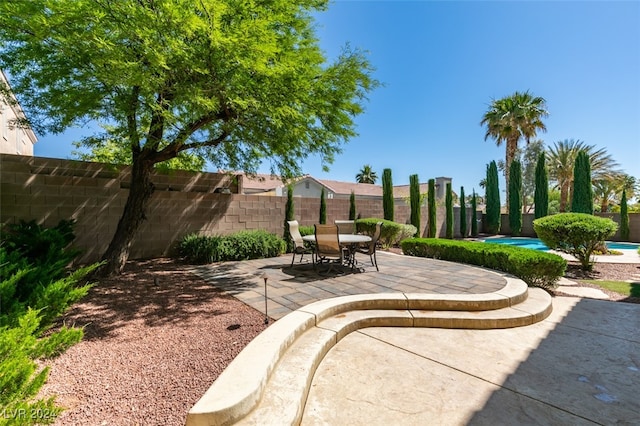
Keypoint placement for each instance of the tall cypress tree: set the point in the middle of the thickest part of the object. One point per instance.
(624, 217)
(352, 206)
(323, 208)
(474, 215)
(414, 201)
(449, 211)
(289, 215)
(431, 204)
(387, 194)
(493, 199)
(515, 198)
(463, 214)
(582, 201)
(541, 195)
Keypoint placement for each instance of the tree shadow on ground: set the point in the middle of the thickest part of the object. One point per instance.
(157, 292)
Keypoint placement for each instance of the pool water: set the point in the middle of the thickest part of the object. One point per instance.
(536, 244)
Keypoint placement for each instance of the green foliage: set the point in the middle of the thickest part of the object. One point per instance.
(536, 268)
(449, 211)
(387, 195)
(578, 234)
(230, 82)
(463, 214)
(391, 233)
(352, 206)
(515, 198)
(541, 196)
(243, 245)
(414, 201)
(582, 201)
(366, 175)
(474, 215)
(624, 218)
(431, 205)
(289, 215)
(323, 208)
(493, 199)
(35, 288)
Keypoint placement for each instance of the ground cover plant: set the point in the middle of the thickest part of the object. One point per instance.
(578, 234)
(536, 268)
(35, 288)
(622, 287)
(243, 245)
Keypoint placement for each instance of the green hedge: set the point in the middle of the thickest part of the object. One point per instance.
(392, 232)
(536, 268)
(256, 244)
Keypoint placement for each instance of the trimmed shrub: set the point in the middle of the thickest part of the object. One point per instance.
(515, 198)
(431, 203)
(392, 232)
(414, 200)
(256, 244)
(539, 269)
(474, 215)
(578, 234)
(449, 211)
(387, 194)
(493, 199)
(541, 195)
(289, 215)
(323, 208)
(463, 214)
(624, 217)
(352, 206)
(582, 194)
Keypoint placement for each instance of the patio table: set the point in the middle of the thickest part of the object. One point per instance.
(349, 241)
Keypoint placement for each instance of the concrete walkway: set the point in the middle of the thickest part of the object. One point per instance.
(578, 366)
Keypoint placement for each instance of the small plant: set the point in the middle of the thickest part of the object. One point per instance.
(414, 200)
(352, 206)
(289, 215)
(392, 232)
(493, 199)
(449, 211)
(431, 202)
(463, 214)
(578, 234)
(387, 194)
(256, 244)
(541, 195)
(474, 215)
(624, 217)
(323, 208)
(515, 198)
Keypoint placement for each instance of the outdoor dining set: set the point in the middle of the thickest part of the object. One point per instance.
(334, 245)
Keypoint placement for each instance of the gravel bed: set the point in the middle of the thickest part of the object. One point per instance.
(155, 339)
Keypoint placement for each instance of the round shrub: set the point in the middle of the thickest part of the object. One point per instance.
(577, 234)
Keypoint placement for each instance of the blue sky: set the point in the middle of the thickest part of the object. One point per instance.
(441, 64)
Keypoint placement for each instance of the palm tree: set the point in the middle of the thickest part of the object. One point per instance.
(560, 161)
(366, 175)
(512, 118)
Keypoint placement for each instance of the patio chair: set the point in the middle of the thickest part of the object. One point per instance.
(328, 245)
(298, 243)
(370, 247)
(346, 226)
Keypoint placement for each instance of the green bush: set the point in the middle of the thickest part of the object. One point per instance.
(536, 268)
(35, 288)
(256, 244)
(392, 232)
(578, 234)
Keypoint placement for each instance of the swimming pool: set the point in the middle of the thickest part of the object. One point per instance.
(536, 244)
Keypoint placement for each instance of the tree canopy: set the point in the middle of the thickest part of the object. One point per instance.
(235, 82)
(366, 175)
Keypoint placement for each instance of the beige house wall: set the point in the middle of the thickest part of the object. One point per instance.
(13, 139)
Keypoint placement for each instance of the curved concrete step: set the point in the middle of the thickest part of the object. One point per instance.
(270, 378)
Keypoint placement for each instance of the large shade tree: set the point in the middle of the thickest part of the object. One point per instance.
(233, 82)
(561, 158)
(511, 119)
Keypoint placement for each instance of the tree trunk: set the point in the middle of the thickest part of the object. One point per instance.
(139, 194)
(564, 194)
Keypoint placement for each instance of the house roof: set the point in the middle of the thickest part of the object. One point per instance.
(260, 182)
(345, 188)
(403, 191)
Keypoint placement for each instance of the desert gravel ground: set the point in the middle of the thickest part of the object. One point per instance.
(157, 337)
(155, 340)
